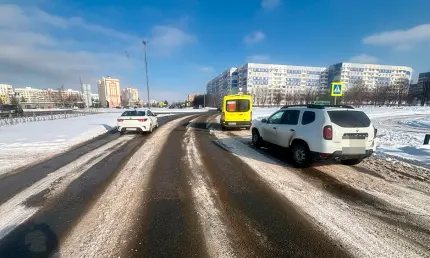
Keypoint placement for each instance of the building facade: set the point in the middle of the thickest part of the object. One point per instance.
(224, 84)
(6, 93)
(31, 95)
(130, 96)
(109, 92)
(268, 82)
(369, 75)
(273, 83)
(191, 97)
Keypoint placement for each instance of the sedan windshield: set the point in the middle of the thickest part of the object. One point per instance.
(133, 113)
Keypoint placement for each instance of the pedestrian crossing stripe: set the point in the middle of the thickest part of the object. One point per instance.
(336, 89)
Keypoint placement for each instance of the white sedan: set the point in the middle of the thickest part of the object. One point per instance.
(137, 120)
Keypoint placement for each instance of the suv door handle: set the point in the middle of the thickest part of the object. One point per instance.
(292, 130)
(274, 128)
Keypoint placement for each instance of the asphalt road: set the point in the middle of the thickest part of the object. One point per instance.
(191, 190)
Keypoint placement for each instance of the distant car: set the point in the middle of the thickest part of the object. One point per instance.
(11, 110)
(140, 121)
(219, 109)
(172, 107)
(118, 107)
(196, 107)
(315, 132)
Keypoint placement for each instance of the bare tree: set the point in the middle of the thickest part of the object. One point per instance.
(356, 93)
(278, 98)
(400, 88)
(61, 95)
(287, 98)
(14, 100)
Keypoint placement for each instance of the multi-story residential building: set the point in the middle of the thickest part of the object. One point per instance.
(86, 90)
(109, 92)
(369, 75)
(130, 95)
(31, 95)
(224, 84)
(267, 81)
(6, 92)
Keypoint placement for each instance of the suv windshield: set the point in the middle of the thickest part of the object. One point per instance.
(133, 113)
(347, 118)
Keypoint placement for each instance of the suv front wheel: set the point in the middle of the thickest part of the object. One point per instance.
(256, 139)
(301, 155)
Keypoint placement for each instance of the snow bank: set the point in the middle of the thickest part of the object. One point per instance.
(157, 110)
(24, 144)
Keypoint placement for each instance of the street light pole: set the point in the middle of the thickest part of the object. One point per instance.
(146, 69)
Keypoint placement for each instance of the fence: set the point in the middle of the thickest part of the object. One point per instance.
(43, 116)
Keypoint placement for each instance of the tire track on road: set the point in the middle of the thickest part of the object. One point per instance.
(109, 228)
(361, 233)
(168, 226)
(264, 223)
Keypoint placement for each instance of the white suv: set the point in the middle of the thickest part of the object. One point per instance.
(315, 132)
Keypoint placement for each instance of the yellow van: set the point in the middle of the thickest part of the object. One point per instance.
(236, 111)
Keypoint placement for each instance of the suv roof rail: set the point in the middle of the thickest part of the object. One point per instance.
(316, 106)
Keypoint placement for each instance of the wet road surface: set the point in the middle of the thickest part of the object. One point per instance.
(205, 193)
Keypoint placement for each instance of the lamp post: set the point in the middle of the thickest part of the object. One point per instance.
(144, 42)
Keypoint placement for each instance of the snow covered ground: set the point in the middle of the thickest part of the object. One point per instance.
(401, 131)
(24, 144)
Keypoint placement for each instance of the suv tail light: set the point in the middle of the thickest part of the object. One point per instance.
(120, 120)
(328, 132)
(142, 120)
(223, 116)
(375, 131)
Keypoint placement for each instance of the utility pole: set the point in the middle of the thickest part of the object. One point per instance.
(146, 69)
(83, 94)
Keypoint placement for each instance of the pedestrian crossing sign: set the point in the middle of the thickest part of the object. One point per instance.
(337, 89)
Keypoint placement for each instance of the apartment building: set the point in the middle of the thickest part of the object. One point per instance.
(224, 84)
(109, 92)
(130, 95)
(371, 75)
(6, 92)
(265, 81)
(31, 95)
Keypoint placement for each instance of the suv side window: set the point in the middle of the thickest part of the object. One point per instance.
(149, 113)
(308, 117)
(276, 118)
(291, 117)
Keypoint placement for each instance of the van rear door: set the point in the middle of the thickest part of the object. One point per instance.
(237, 110)
(352, 131)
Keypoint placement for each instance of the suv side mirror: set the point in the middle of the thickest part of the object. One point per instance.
(264, 120)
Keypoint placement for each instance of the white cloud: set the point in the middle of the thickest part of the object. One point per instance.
(254, 37)
(165, 39)
(258, 58)
(270, 4)
(206, 69)
(364, 59)
(32, 55)
(401, 39)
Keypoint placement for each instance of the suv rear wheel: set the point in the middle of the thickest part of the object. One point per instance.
(351, 162)
(256, 139)
(301, 155)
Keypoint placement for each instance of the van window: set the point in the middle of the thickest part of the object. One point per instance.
(237, 105)
(346, 118)
(308, 117)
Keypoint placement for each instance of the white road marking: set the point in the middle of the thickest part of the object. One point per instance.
(14, 212)
(210, 218)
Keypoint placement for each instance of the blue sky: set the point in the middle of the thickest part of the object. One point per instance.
(47, 43)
